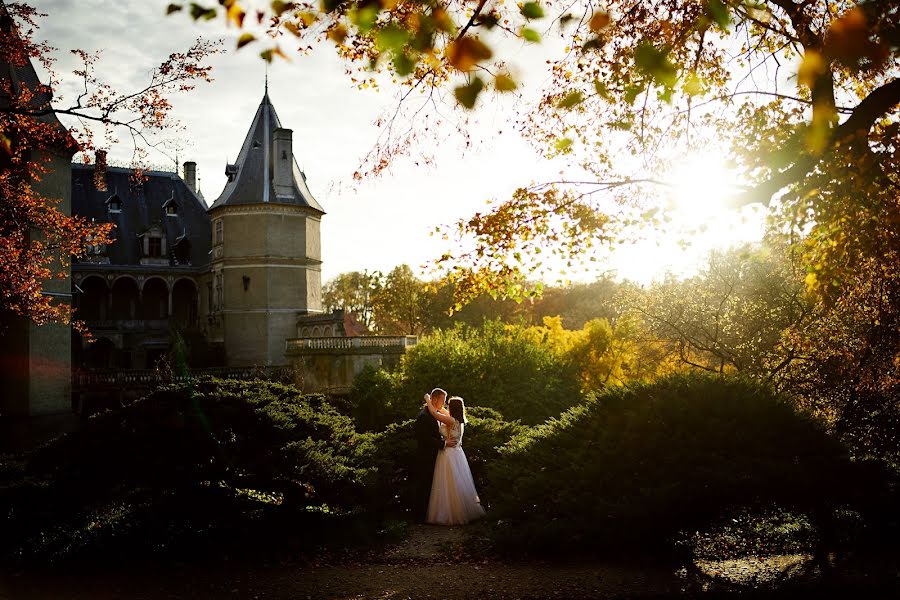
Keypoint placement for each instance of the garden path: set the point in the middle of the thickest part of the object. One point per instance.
(430, 562)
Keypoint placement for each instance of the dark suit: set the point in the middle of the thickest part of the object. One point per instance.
(428, 443)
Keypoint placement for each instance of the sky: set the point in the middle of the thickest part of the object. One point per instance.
(376, 224)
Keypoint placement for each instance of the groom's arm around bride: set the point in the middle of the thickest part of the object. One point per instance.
(428, 442)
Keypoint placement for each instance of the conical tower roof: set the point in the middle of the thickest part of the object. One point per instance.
(250, 179)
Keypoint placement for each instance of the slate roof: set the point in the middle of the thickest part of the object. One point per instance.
(23, 77)
(253, 182)
(142, 207)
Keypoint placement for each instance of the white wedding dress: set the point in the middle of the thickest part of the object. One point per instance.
(454, 500)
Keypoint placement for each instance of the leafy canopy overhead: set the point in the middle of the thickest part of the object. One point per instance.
(801, 96)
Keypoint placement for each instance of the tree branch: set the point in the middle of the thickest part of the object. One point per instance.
(853, 131)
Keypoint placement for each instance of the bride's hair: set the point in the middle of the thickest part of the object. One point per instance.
(457, 408)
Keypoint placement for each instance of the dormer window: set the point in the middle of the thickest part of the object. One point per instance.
(170, 207)
(231, 172)
(114, 204)
(154, 246)
(94, 249)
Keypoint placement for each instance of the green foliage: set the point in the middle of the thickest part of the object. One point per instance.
(488, 367)
(636, 465)
(185, 466)
(732, 315)
(373, 403)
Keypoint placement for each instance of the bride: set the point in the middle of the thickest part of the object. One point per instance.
(454, 500)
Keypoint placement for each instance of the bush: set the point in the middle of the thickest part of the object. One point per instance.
(188, 462)
(372, 400)
(636, 465)
(488, 366)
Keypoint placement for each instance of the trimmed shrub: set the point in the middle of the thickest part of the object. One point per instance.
(372, 400)
(636, 465)
(187, 465)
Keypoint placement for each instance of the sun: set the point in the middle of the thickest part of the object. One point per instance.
(699, 219)
(702, 185)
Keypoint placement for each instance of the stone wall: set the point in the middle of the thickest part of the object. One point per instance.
(37, 360)
(331, 364)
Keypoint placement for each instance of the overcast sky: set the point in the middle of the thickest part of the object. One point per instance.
(375, 225)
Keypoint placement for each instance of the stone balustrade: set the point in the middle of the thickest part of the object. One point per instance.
(377, 343)
(150, 377)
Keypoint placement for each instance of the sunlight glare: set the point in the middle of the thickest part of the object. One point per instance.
(699, 220)
(701, 186)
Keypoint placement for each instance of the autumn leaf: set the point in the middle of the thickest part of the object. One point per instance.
(467, 52)
(504, 83)
(468, 94)
(364, 17)
(293, 28)
(403, 64)
(173, 8)
(245, 39)
(718, 11)
(235, 14)
(530, 35)
(811, 68)
(812, 281)
(200, 12)
(599, 21)
(655, 63)
(563, 145)
(848, 40)
(391, 38)
(279, 7)
(571, 99)
(271, 53)
(532, 10)
(337, 34)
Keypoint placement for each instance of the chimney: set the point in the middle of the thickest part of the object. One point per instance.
(283, 162)
(100, 170)
(190, 175)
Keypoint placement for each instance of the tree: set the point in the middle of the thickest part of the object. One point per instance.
(37, 239)
(399, 305)
(354, 292)
(604, 355)
(733, 315)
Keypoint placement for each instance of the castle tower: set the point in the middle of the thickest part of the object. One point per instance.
(266, 257)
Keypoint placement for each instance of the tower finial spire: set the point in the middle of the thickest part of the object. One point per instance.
(267, 79)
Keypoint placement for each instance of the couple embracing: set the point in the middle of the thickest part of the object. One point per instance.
(445, 491)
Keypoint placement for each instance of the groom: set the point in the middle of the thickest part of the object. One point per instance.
(428, 442)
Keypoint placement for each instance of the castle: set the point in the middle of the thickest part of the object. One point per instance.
(231, 279)
(235, 285)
